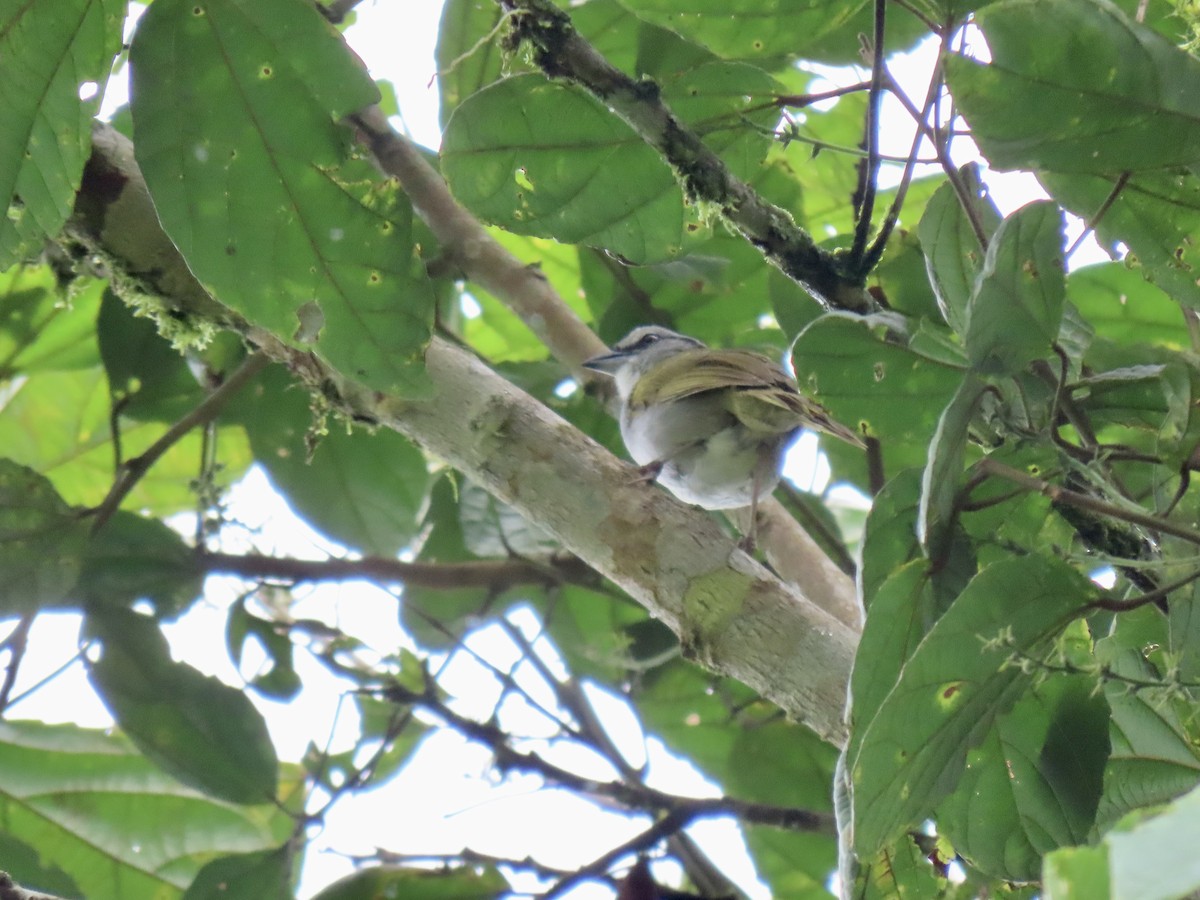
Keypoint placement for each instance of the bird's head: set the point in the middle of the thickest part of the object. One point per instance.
(638, 352)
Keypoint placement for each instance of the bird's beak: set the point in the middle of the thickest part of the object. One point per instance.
(606, 362)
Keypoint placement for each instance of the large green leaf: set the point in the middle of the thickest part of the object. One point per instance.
(1153, 758)
(774, 30)
(1156, 214)
(953, 253)
(1034, 783)
(59, 423)
(136, 558)
(1014, 313)
(43, 328)
(203, 732)
(49, 52)
(235, 109)
(872, 384)
(244, 876)
(1077, 86)
(467, 60)
(952, 687)
(361, 488)
(41, 542)
(100, 812)
(149, 378)
(545, 159)
(1116, 302)
(1148, 857)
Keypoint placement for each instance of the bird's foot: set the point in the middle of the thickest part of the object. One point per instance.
(648, 473)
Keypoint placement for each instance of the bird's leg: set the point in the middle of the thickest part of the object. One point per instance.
(747, 543)
(649, 472)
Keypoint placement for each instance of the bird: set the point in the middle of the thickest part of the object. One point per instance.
(710, 425)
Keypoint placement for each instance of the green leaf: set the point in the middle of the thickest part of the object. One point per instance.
(361, 488)
(545, 159)
(890, 535)
(235, 109)
(903, 609)
(1153, 759)
(246, 876)
(23, 864)
(411, 884)
(898, 870)
(493, 528)
(1116, 301)
(48, 52)
(1076, 873)
(467, 59)
(203, 732)
(1157, 214)
(1014, 313)
(773, 30)
(723, 102)
(1034, 784)
(941, 482)
(134, 558)
(148, 377)
(868, 384)
(42, 542)
(99, 811)
(280, 681)
(59, 423)
(1154, 857)
(953, 254)
(951, 689)
(43, 328)
(1076, 86)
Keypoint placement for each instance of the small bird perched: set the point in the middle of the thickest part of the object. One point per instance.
(709, 425)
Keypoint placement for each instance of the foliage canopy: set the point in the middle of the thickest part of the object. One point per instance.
(250, 268)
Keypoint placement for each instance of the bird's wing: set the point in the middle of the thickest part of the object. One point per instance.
(699, 371)
(760, 393)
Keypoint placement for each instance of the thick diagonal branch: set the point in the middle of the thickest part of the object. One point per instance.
(731, 615)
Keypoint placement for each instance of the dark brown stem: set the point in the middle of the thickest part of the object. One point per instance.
(16, 642)
(868, 171)
(496, 574)
(1082, 501)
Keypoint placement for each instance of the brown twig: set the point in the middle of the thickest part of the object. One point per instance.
(560, 52)
(497, 574)
(1058, 494)
(135, 469)
(868, 170)
(17, 641)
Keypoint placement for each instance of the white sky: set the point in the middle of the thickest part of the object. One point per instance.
(447, 799)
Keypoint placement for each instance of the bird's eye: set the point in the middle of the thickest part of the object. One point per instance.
(647, 339)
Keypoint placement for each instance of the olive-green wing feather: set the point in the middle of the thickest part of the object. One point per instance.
(759, 392)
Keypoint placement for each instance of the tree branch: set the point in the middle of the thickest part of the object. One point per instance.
(730, 614)
(497, 574)
(792, 553)
(561, 53)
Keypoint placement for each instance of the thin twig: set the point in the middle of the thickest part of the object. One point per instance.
(133, 470)
(16, 642)
(864, 195)
(1154, 596)
(1101, 211)
(668, 825)
(965, 199)
(497, 574)
(1082, 501)
(799, 101)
